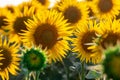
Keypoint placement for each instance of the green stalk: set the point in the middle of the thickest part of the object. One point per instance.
(83, 71)
(37, 75)
(66, 70)
(27, 77)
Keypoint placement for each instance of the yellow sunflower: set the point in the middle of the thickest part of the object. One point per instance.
(75, 12)
(106, 8)
(110, 32)
(17, 23)
(51, 31)
(85, 36)
(9, 59)
(45, 3)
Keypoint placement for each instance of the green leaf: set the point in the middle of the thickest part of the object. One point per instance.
(93, 74)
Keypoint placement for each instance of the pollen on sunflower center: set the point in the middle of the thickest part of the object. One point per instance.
(2, 21)
(111, 39)
(7, 55)
(87, 39)
(46, 35)
(73, 14)
(19, 24)
(105, 5)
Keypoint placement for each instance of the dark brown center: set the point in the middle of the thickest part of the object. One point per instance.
(19, 24)
(105, 5)
(46, 35)
(88, 38)
(7, 61)
(73, 14)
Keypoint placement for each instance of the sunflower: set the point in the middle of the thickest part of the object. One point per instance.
(111, 63)
(45, 3)
(110, 32)
(34, 59)
(51, 31)
(17, 23)
(9, 59)
(75, 12)
(84, 43)
(106, 8)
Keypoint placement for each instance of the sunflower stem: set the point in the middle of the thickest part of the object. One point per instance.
(66, 70)
(83, 71)
(37, 75)
(27, 77)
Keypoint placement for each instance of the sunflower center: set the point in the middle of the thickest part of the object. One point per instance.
(5, 62)
(34, 58)
(19, 24)
(46, 35)
(42, 2)
(105, 5)
(111, 39)
(88, 37)
(2, 21)
(73, 14)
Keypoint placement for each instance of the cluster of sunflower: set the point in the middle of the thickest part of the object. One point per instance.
(34, 34)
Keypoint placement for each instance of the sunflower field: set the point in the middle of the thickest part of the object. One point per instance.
(71, 40)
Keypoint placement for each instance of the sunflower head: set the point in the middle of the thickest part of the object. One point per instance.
(50, 30)
(34, 59)
(9, 58)
(17, 23)
(106, 8)
(85, 37)
(110, 33)
(75, 12)
(111, 63)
